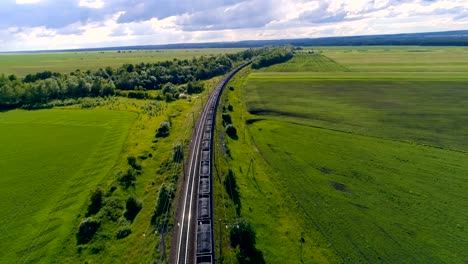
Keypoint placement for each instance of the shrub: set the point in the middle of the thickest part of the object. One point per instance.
(163, 130)
(178, 153)
(133, 207)
(131, 160)
(230, 108)
(86, 230)
(112, 209)
(163, 204)
(231, 131)
(195, 87)
(243, 235)
(123, 230)
(127, 179)
(96, 201)
(226, 119)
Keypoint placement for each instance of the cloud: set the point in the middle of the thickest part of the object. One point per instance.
(51, 24)
(240, 15)
(142, 10)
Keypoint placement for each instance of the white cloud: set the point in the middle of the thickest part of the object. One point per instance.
(91, 3)
(91, 23)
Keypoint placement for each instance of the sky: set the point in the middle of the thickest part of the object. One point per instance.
(70, 24)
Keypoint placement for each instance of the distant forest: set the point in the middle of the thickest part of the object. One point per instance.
(447, 38)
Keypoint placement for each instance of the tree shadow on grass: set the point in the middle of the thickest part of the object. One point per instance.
(232, 190)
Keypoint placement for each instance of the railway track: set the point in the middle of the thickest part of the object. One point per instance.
(193, 239)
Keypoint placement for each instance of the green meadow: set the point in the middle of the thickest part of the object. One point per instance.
(22, 64)
(367, 163)
(49, 161)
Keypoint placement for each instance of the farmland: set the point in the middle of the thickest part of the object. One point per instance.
(49, 160)
(66, 62)
(52, 159)
(360, 151)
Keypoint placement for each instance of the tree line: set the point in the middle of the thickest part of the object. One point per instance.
(171, 77)
(273, 56)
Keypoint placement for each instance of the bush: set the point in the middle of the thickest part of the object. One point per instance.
(123, 230)
(195, 87)
(127, 179)
(226, 119)
(112, 209)
(96, 201)
(243, 235)
(86, 230)
(133, 207)
(230, 108)
(178, 153)
(131, 160)
(231, 131)
(163, 130)
(163, 204)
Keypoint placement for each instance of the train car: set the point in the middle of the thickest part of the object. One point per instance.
(204, 207)
(207, 128)
(209, 121)
(204, 237)
(205, 167)
(204, 184)
(206, 144)
(207, 135)
(205, 155)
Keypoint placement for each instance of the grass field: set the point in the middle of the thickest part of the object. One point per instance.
(400, 59)
(66, 62)
(49, 161)
(370, 166)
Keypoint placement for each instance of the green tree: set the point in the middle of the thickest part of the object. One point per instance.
(231, 131)
(132, 208)
(96, 201)
(163, 130)
(226, 119)
(86, 230)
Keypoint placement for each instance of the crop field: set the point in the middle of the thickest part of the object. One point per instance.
(49, 160)
(371, 167)
(66, 62)
(400, 59)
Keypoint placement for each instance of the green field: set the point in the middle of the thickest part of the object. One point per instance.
(66, 62)
(370, 166)
(400, 59)
(49, 161)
